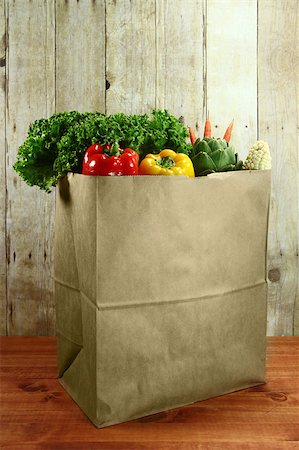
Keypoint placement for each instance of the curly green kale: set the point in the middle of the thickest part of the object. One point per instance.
(57, 145)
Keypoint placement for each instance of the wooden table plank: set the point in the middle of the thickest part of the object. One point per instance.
(36, 413)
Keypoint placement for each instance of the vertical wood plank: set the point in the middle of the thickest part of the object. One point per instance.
(2, 169)
(30, 212)
(130, 56)
(232, 69)
(80, 55)
(277, 86)
(180, 28)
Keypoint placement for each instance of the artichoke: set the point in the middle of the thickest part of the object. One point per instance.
(214, 155)
(259, 157)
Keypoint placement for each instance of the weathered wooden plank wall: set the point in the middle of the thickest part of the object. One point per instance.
(130, 56)
(235, 59)
(180, 63)
(2, 168)
(29, 212)
(277, 122)
(232, 69)
(80, 55)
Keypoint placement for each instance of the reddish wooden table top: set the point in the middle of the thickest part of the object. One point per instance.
(36, 413)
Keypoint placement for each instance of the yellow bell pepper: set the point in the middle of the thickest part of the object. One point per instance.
(167, 162)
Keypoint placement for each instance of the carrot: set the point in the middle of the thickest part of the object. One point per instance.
(207, 132)
(227, 134)
(192, 136)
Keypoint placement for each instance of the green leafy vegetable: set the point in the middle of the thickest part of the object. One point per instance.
(57, 145)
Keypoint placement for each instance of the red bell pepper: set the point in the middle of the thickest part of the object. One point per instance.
(110, 160)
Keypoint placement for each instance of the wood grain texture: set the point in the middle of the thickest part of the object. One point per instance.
(233, 58)
(180, 59)
(29, 214)
(2, 167)
(278, 113)
(36, 413)
(232, 70)
(80, 55)
(130, 56)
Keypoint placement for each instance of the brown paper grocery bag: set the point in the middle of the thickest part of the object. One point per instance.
(160, 289)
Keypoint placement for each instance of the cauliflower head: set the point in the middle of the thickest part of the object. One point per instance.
(259, 157)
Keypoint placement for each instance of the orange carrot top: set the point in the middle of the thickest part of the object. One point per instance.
(227, 134)
(207, 132)
(192, 136)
